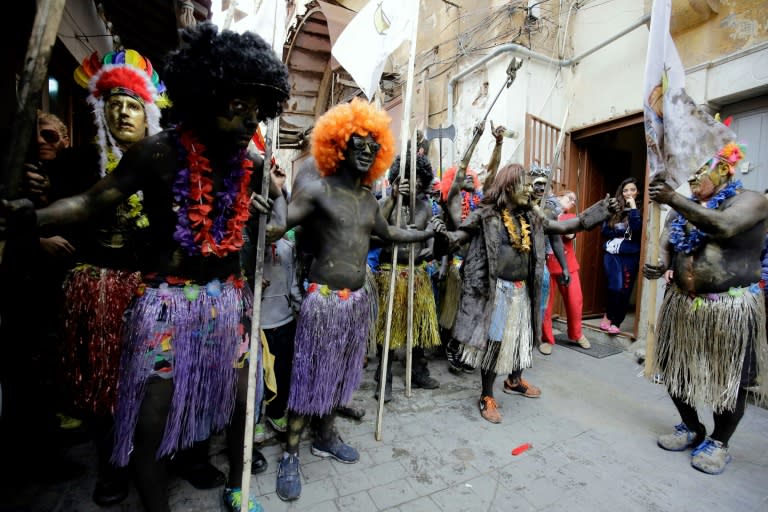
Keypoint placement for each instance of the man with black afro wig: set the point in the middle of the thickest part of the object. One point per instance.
(183, 373)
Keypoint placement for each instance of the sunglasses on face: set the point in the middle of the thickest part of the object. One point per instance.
(50, 136)
(360, 143)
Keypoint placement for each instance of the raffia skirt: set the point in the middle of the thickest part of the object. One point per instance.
(510, 336)
(710, 345)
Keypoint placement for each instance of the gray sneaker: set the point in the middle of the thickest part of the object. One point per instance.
(679, 440)
(710, 457)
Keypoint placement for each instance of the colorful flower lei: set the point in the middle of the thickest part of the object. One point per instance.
(194, 201)
(690, 241)
(133, 204)
(469, 202)
(524, 244)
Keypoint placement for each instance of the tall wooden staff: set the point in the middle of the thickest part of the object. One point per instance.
(255, 324)
(404, 131)
(41, 41)
(411, 271)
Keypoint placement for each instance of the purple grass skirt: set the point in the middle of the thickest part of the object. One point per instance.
(330, 344)
(195, 335)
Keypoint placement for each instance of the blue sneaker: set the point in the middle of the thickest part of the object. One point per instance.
(681, 439)
(710, 456)
(233, 499)
(288, 478)
(337, 449)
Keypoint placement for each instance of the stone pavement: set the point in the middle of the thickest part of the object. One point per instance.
(593, 436)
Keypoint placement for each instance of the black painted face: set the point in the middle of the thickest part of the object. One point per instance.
(469, 183)
(238, 121)
(361, 153)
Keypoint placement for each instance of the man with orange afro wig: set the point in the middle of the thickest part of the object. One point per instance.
(352, 146)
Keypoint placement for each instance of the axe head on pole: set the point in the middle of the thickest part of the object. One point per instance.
(443, 132)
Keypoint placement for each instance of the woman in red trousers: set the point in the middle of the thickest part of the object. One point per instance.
(571, 292)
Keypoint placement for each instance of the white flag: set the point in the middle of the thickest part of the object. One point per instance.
(269, 22)
(373, 34)
(680, 136)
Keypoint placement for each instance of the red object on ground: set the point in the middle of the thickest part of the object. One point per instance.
(520, 449)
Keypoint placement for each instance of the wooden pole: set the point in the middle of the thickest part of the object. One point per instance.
(411, 273)
(405, 129)
(258, 274)
(41, 42)
(39, 50)
(647, 318)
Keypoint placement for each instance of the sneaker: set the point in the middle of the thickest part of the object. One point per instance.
(545, 348)
(337, 449)
(259, 433)
(523, 387)
(613, 330)
(68, 422)
(355, 413)
(423, 380)
(467, 368)
(278, 424)
(710, 456)
(489, 409)
(454, 360)
(233, 499)
(679, 440)
(288, 478)
(583, 342)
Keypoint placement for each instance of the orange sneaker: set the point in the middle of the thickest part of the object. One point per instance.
(489, 410)
(522, 387)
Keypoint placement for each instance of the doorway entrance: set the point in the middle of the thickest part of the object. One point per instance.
(599, 158)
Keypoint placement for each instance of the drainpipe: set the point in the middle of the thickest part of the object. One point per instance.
(525, 52)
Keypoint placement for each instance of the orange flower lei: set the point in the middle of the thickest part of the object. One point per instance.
(196, 231)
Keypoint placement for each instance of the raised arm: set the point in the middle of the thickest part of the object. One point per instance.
(453, 200)
(493, 163)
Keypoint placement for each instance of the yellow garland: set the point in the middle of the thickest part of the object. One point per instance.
(134, 201)
(523, 245)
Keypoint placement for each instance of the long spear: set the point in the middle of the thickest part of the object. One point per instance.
(404, 131)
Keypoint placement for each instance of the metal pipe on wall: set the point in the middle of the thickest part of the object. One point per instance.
(525, 52)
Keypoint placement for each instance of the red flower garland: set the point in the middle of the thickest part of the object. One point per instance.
(201, 199)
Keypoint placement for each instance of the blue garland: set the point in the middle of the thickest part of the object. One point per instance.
(689, 242)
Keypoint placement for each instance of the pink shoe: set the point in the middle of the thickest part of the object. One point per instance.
(605, 324)
(613, 330)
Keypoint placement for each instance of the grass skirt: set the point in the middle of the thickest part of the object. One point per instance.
(94, 302)
(331, 340)
(198, 337)
(510, 336)
(425, 330)
(449, 303)
(709, 345)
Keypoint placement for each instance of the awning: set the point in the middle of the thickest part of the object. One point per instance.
(313, 70)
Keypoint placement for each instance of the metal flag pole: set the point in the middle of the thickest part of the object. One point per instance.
(405, 130)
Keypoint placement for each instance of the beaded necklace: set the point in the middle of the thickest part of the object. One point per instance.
(521, 240)
(194, 201)
(687, 239)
